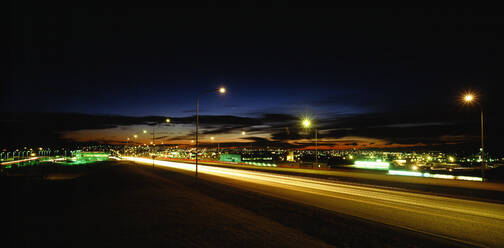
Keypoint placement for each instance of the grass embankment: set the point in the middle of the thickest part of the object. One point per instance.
(118, 206)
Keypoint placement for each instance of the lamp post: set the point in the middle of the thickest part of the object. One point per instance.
(307, 124)
(218, 144)
(167, 120)
(469, 98)
(221, 90)
(135, 136)
(127, 143)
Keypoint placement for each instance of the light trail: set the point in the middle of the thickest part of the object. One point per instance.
(473, 222)
(19, 161)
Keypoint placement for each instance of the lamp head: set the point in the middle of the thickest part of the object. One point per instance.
(222, 90)
(306, 123)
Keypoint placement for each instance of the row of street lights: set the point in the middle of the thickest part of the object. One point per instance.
(221, 90)
(468, 98)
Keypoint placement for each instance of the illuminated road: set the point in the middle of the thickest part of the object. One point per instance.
(472, 222)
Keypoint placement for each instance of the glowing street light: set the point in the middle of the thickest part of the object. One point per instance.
(127, 143)
(154, 126)
(221, 90)
(470, 98)
(218, 144)
(135, 136)
(307, 124)
(243, 133)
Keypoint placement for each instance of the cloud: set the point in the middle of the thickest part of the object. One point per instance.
(403, 127)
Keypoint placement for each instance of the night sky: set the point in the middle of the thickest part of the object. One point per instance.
(367, 78)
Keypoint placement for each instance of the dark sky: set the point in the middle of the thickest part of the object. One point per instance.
(381, 76)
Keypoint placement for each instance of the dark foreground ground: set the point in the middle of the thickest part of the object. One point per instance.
(119, 204)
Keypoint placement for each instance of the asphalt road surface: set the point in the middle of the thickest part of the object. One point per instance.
(468, 221)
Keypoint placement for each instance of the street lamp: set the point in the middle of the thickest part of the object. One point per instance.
(307, 124)
(155, 125)
(136, 148)
(127, 143)
(221, 90)
(218, 144)
(470, 98)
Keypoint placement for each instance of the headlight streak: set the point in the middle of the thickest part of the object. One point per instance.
(372, 194)
(426, 174)
(19, 161)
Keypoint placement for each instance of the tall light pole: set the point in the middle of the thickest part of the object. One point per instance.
(218, 144)
(167, 120)
(127, 143)
(135, 136)
(470, 98)
(221, 90)
(307, 124)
